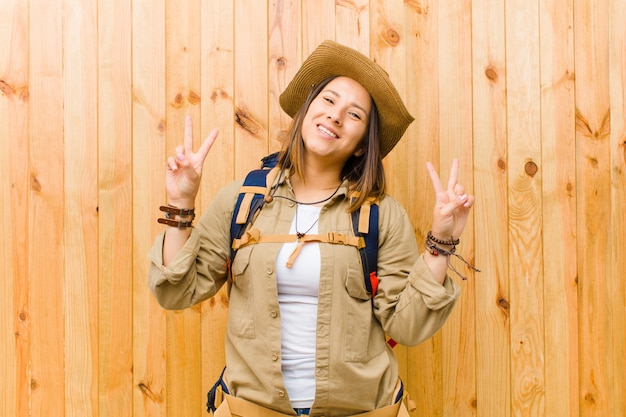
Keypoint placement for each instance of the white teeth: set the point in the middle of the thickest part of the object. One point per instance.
(328, 132)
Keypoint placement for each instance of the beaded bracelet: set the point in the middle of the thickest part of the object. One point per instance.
(171, 211)
(435, 250)
(452, 242)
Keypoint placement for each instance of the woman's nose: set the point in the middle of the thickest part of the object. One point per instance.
(334, 117)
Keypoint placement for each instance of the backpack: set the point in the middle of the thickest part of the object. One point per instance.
(252, 196)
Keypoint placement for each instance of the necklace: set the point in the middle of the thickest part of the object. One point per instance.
(308, 204)
(301, 234)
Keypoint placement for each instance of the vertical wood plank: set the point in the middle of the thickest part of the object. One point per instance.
(46, 247)
(352, 26)
(318, 24)
(8, 331)
(251, 85)
(593, 203)
(616, 286)
(80, 232)
(148, 129)
(559, 207)
(182, 60)
(455, 121)
(424, 362)
(285, 57)
(493, 377)
(217, 112)
(388, 48)
(115, 234)
(14, 200)
(525, 216)
(388, 42)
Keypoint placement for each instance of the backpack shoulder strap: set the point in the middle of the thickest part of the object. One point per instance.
(252, 196)
(365, 224)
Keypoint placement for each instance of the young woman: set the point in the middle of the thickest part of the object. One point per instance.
(304, 336)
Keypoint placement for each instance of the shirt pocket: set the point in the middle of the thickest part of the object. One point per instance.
(241, 297)
(365, 338)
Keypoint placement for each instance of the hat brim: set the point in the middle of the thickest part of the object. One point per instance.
(333, 59)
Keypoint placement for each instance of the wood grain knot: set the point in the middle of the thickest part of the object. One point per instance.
(161, 126)
(531, 168)
(23, 316)
(6, 88)
(149, 394)
(503, 304)
(501, 164)
(417, 6)
(281, 62)
(35, 185)
(218, 93)
(491, 74)
(590, 399)
(246, 122)
(193, 98)
(25, 95)
(392, 37)
(178, 101)
(584, 128)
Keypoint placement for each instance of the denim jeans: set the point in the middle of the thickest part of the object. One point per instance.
(307, 411)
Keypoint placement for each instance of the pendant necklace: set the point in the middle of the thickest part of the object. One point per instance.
(301, 234)
(298, 233)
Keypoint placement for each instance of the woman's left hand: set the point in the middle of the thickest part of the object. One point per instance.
(452, 205)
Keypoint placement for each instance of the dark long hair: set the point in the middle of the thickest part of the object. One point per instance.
(365, 174)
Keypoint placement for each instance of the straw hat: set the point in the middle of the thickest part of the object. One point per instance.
(333, 59)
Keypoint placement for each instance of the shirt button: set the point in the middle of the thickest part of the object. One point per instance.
(280, 393)
(291, 204)
(273, 314)
(269, 271)
(274, 357)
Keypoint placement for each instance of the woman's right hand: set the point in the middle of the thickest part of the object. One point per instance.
(184, 171)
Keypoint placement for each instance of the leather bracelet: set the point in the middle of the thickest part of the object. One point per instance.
(436, 250)
(178, 211)
(180, 224)
(452, 242)
(171, 212)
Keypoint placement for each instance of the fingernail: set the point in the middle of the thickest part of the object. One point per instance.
(462, 197)
(180, 156)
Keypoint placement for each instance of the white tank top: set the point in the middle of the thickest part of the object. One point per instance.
(297, 297)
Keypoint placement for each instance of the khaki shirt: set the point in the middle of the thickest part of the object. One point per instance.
(356, 370)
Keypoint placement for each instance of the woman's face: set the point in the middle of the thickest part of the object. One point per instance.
(336, 121)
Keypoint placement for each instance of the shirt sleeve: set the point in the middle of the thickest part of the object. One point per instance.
(200, 268)
(410, 304)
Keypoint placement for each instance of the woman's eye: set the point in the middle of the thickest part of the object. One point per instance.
(355, 115)
(328, 100)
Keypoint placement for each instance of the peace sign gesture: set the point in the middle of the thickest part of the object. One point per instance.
(184, 171)
(452, 205)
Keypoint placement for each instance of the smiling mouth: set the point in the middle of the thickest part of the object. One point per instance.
(326, 131)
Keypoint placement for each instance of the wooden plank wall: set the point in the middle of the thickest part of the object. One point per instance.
(530, 95)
